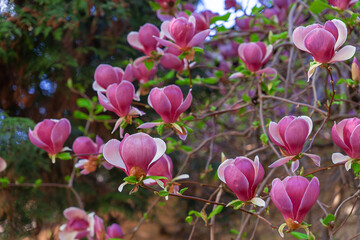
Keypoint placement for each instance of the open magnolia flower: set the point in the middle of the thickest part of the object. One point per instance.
(346, 135)
(242, 176)
(323, 43)
(169, 103)
(342, 4)
(291, 134)
(105, 75)
(118, 100)
(135, 154)
(294, 197)
(50, 135)
(255, 55)
(144, 40)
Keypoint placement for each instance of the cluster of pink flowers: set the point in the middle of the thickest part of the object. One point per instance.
(81, 225)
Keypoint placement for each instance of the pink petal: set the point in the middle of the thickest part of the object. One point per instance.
(236, 75)
(337, 132)
(281, 161)
(185, 105)
(182, 136)
(222, 167)
(342, 31)
(237, 182)
(105, 102)
(73, 212)
(171, 61)
(252, 56)
(36, 141)
(60, 133)
(355, 142)
(112, 155)
(96, 87)
(128, 75)
(268, 54)
(323, 50)
(2, 164)
(295, 165)
(274, 134)
(299, 35)
(199, 38)
(281, 199)
(146, 33)
(165, 30)
(84, 145)
(310, 196)
(149, 125)
(296, 135)
(106, 75)
(160, 150)
(270, 73)
(315, 158)
(133, 40)
(310, 123)
(296, 187)
(161, 104)
(175, 97)
(167, 43)
(312, 69)
(343, 54)
(339, 158)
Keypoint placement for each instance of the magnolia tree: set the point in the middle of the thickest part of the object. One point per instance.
(260, 118)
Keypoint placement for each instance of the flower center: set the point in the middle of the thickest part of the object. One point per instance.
(292, 224)
(138, 172)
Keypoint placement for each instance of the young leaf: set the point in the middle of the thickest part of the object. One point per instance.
(64, 156)
(299, 235)
(183, 190)
(131, 179)
(163, 193)
(216, 211)
(329, 218)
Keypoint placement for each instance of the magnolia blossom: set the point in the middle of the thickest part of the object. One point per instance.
(255, 55)
(2, 164)
(244, 23)
(291, 134)
(294, 197)
(242, 176)
(342, 4)
(118, 100)
(114, 231)
(168, 9)
(170, 60)
(283, 3)
(355, 70)
(324, 42)
(346, 135)
(88, 163)
(203, 20)
(105, 75)
(168, 102)
(50, 135)
(182, 32)
(80, 225)
(135, 154)
(140, 71)
(230, 4)
(278, 14)
(144, 40)
(163, 167)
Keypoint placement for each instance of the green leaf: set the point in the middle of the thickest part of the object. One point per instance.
(246, 98)
(38, 182)
(198, 50)
(186, 148)
(329, 218)
(254, 37)
(299, 235)
(163, 193)
(4, 181)
(264, 139)
(233, 231)
(266, 190)
(82, 102)
(64, 156)
(80, 115)
(156, 177)
(356, 167)
(160, 129)
(216, 211)
(189, 219)
(131, 179)
(149, 65)
(196, 213)
(209, 80)
(274, 37)
(183, 190)
(220, 18)
(102, 117)
(318, 6)
(188, 118)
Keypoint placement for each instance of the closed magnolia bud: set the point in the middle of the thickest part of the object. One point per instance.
(168, 102)
(342, 4)
(141, 73)
(50, 135)
(355, 70)
(254, 55)
(294, 197)
(114, 231)
(2, 164)
(242, 176)
(135, 154)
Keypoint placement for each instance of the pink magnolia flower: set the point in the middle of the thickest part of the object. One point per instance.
(346, 135)
(342, 4)
(172, 61)
(141, 73)
(290, 135)
(242, 176)
(144, 40)
(278, 14)
(80, 225)
(244, 23)
(118, 100)
(283, 3)
(230, 4)
(355, 70)
(255, 55)
(203, 20)
(323, 42)
(168, 102)
(105, 75)
(2, 164)
(50, 135)
(294, 197)
(99, 228)
(88, 163)
(227, 49)
(182, 32)
(135, 154)
(114, 231)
